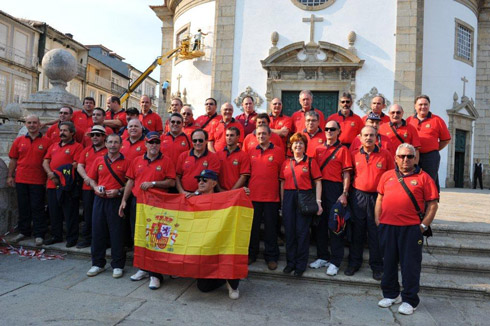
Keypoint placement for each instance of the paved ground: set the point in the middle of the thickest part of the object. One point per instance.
(57, 292)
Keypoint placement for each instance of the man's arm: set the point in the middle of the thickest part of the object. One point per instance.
(167, 183)
(127, 191)
(49, 172)
(240, 182)
(10, 175)
(211, 146)
(377, 209)
(430, 212)
(113, 123)
(83, 174)
(443, 143)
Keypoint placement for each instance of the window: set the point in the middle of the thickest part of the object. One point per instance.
(463, 42)
(312, 4)
(3, 91)
(20, 90)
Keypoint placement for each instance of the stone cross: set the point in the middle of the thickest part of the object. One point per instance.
(464, 84)
(178, 84)
(312, 21)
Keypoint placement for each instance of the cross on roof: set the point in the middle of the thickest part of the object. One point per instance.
(464, 84)
(312, 21)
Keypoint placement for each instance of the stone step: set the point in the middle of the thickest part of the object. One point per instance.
(430, 283)
(474, 230)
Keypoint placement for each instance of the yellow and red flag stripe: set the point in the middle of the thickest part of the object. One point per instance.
(204, 236)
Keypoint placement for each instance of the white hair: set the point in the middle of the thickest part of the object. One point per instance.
(405, 145)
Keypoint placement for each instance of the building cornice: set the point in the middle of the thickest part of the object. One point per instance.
(473, 5)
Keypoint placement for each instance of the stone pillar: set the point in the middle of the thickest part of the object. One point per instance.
(222, 59)
(409, 52)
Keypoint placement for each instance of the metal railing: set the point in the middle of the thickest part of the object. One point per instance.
(117, 89)
(93, 78)
(12, 54)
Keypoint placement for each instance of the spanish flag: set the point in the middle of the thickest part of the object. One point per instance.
(204, 236)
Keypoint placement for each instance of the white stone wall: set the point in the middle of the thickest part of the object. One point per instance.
(196, 73)
(441, 75)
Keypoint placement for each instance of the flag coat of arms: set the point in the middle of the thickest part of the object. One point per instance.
(204, 236)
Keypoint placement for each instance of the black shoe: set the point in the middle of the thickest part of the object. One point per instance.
(251, 260)
(298, 273)
(350, 271)
(51, 241)
(288, 269)
(70, 244)
(84, 244)
(377, 275)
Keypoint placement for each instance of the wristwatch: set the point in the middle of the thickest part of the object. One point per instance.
(119, 192)
(424, 227)
(153, 183)
(197, 193)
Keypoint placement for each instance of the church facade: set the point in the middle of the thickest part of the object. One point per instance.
(399, 49)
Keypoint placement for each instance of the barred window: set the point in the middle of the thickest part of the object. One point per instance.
(463, 43)
(20, 90)
(312, 4)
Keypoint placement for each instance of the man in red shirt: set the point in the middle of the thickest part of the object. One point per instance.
(234, 163)
(115, 117)
(398, 131)
(433, 135)
(251, 141)
(265, 162)
(382, 141)
(53, 133)
(83, 118)
(26, 174)
(153, 171)
(247, 118)
(191, 163)
(280, 124)
(370, 162)
(60, 163)
(312, 131)
(217, 141)
(210, 120)
(98, 117)
(150, 119)
(298, 118)
(400, 227)
(175, 106)
(377, 106)
(350, 123)
(107, 176)
(87, 157)
(189, 123)
(134, 145)
(176, 141)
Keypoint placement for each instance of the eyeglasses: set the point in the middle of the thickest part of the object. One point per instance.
(396, 112)
(402, 157)
(186, 113)
(202, 180)
(209, 103)
(345, 102)
(65, 113)
(276, 103)
(96, 135)
(199, 140)
(310, 121)
(153, 141)
(178, 122)
(331, 129)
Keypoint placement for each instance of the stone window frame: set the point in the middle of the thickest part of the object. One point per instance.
(181, 31)
(328, 3)
(457, 24)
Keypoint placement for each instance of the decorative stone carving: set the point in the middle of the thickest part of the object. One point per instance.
(365, 101)
(274, 40)
(351, 38)
(60, 66)
(248, 92)
(184, 95)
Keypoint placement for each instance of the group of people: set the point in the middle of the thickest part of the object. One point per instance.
(356, 162)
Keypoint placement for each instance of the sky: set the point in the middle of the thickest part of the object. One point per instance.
(128, 27)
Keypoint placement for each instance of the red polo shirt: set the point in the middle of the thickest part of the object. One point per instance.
(59, 155)
(53, 134)
(87, 142)
(384, 118)
(342, 161)
(314, 141)
(368, 169)
(279, 122)
(431, 130)
(188, 166)
(265, 168)
(121, 116)
(82, 120)
(208, 126)
(172, 146)
(248, 122)
(382, 142)
(152, 121)
(232, 166)
(251, 142)
(142, 170)
(407, 132)
(218, 135)
(351, 126)
(304, 175)
(87, 158)
(189, 129)
(298, 120)
(397, 208)
(103, 177)
(133, 150)
(29, 154)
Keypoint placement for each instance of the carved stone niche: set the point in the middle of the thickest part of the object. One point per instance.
(319, 67)
(364, 102)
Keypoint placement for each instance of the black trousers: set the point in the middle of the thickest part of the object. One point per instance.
(429, 162)
(269, 211)
(30, 199)
(401, 245)
(477, 177)
(88, 206)
(67, 207)
(106, 220)
(210, 284)
(331, 191)
(362, 207)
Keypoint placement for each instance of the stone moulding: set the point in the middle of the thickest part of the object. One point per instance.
(364, 102)
(248, 92)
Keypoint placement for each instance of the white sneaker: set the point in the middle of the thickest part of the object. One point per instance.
(233, 294)
(406, 309)
(154, 283)
(117, 272)
(387, 302)
(332, 270)
(17, 238)
(139, 275)
(39, 242)
(319, 263)
(94, 270)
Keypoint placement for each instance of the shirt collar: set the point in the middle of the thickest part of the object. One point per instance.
(351, 113)
(121, 157)
(429, 115)
(404, 123)
(95, 149)
(271, 145)
(415, 171)
(191, 153)
(228, 153)
(333, 145)
(376, 150)
(40, 135)
(159, 156)
(316, 132)
(173, 137)
(232, 120)
(72, 141)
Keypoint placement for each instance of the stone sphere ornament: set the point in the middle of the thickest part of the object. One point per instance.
(60, 66)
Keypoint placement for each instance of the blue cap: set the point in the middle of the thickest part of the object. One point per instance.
(209, 174)
(373, 116)
(338, 217)
(152, 135)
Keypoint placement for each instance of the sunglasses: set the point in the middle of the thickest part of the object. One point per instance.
(345, 102)
(202, 180)
(209, 104)
(395, 112)
(178, 122)
(96, 135)
(186, 113)
(65, 113)
(410, 157)
(199, 140)
(331, 129)
(154, 141)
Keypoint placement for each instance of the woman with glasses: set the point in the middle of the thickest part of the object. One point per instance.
(298, 173)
